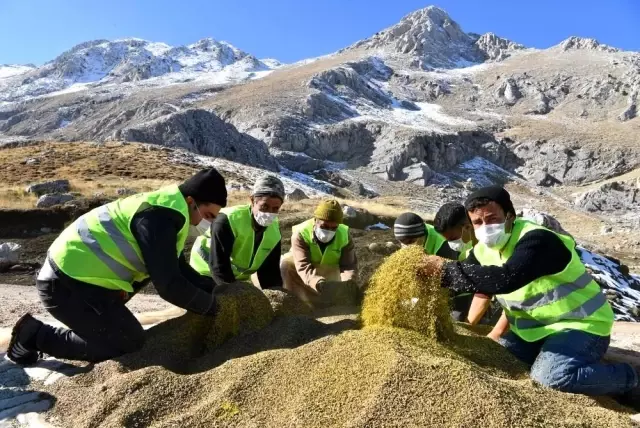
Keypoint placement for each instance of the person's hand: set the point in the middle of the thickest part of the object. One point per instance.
(339, 293)
(430, 266)
(494, 336)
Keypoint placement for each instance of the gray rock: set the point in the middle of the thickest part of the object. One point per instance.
(49, 200)
(358, 218)
(365, 192)
(203, 132)
(32, 161)
(612, 197)
(496, 48)
(9, 254)
(508, 91)
(296, 195)
(56, 186)
(543, 219)
(631, 111)
(606, 229)
(541, 178)
(125, 192)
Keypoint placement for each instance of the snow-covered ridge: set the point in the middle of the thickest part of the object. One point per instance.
(101, 62)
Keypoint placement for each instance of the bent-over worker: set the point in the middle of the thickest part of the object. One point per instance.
(105, 257)
(452, 222)
(245, 239)
(322, 263)
(560, 321)
(410, 229)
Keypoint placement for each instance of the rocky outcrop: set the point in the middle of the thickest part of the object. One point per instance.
(55, 186)
(543, 219)
(613, 197)
(585, 43)
(496, 48)
(296, 195)
(46, 201)
(562, 163)
(202, 132)
(508, 91)
(632, 108)
(430, 37)
(9, 255)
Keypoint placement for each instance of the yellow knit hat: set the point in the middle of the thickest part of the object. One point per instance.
(329, 210)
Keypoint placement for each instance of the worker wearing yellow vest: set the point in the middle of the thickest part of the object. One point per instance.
(105, 257)
(245, 240)
(322, 268)
(559, 319)
(452, 222)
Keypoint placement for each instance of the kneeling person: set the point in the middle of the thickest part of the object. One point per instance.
(107, 255)
(244, 240)
(322, 267)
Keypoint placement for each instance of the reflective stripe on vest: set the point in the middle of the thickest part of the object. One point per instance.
(570, 299)
(99, 248)
(434, 240)
(332, 252)
(588, 308)
(244, 260)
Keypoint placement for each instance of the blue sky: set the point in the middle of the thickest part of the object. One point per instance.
(35, 31)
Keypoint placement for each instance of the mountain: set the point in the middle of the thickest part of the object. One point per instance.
(102, 62)
(421, 109)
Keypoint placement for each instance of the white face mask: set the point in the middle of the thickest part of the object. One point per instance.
(265, 219)
(204, 226)
(324, 235)
(493, 235)
(457, 245)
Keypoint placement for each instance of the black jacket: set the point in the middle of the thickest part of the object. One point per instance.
(156, 230)
(538, 253)
(222, 240)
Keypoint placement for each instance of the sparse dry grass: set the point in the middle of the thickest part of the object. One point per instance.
(604, 132)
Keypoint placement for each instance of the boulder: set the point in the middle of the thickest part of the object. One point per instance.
(56, 186)
(296, 195)
(242, 309)
(615, 196)
(123, 191)
(543, 219)
(49, 200)
(9, 254)
(541, 178)
(365, 192)
(358, 218)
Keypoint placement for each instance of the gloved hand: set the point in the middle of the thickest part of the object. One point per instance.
(339, 293)
(431, 266)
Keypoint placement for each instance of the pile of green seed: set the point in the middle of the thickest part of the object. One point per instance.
(402, 295)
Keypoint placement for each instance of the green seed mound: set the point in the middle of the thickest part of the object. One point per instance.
(400, 297)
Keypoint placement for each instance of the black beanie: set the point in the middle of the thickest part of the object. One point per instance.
(206, 186)
(409, 225)
(493, 193)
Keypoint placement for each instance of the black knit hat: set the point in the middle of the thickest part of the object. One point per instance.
(487, 194)
(206, 186)
(409, 225)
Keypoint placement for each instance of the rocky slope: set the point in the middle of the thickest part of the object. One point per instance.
(420, 109)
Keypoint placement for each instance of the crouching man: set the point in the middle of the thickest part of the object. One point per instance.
(322, 268)
(102, 259)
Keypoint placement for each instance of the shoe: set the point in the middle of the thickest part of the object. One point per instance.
(22, 347)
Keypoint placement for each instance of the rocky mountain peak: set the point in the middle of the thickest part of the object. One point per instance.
(430, 38)
(497, 48)
(574, 43)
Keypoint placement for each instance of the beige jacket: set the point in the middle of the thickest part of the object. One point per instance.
(308, 272)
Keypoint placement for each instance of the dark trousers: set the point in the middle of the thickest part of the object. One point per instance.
(100, 325)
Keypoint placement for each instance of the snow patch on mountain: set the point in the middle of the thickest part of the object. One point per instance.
(10, 70)
(103, 63)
